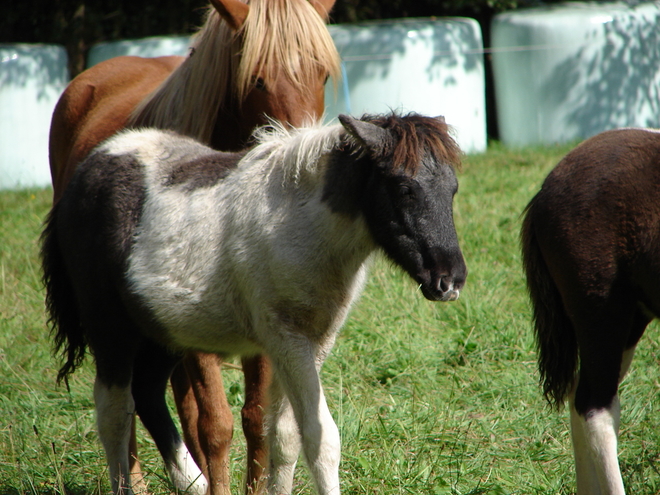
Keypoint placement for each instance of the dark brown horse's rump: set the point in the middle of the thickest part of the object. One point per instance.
(591, 253)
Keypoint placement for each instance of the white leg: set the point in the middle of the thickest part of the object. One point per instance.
(185, 474)
(321, 443)
(586, 478)
(602, 430)
(595, 444)
(595, 440)
(114, 410)
(585, 470)
(298, 376)
(284, 439)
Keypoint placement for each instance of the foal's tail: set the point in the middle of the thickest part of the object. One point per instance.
(63, 316)
(555, 336)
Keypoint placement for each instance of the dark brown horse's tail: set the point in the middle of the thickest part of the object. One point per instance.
(555, 336)
(63, 316)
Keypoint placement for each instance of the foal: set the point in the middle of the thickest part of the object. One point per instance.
(161, 245)
(592, 256)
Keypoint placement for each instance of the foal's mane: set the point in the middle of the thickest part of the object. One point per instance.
(277, 35)
(414, 134)
(297, 150)
(300, 149)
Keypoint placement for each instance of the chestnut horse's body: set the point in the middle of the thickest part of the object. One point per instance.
(97, 104)
(249, 63)
(591, 252)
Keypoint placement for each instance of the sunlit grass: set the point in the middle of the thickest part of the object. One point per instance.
(430, 398)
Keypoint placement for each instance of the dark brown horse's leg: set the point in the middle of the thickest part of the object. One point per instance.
(214, 419)
(257, 373)
(608, 333)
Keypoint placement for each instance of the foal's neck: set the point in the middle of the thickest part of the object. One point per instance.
(345, 182)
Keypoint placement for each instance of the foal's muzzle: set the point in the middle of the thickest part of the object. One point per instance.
(444, 290)
(445, 283)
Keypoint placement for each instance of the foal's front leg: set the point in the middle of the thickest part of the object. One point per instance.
(284, 441)
(298, 400)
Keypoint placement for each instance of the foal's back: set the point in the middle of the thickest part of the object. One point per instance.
(105, 201)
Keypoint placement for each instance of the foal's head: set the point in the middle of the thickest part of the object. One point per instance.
(408, 197)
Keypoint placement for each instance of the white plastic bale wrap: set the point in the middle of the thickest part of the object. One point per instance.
(157, 46)
(430, 66)
(32, 78)
(572, 70)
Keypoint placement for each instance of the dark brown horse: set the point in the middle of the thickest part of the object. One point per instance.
(591, 253)
(268, 59)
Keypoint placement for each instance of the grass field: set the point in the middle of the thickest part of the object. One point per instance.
(430, 398)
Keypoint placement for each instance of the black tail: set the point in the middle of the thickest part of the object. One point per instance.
(555, 336)
(63, 316)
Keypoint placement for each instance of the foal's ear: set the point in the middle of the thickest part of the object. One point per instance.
(375, 139)
(233, 12)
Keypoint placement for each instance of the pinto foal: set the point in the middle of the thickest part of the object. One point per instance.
(161, 245)
(248, 63)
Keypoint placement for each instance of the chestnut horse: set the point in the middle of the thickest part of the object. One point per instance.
(591, 253)
(268, 59)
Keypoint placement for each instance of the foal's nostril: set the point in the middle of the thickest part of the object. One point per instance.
(445, 283)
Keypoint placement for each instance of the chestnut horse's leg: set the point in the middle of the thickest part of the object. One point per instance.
(186, 405)
(203, 407)
(257, 372)
(210, 424)
(138, 482)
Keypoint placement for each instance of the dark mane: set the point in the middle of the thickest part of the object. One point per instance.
(416, 133)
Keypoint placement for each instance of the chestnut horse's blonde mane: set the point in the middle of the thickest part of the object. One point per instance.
(285, 38)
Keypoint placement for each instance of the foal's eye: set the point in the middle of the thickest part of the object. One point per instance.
(405, 192)
(259, 83)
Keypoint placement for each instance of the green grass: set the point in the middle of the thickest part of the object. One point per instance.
(430, 398)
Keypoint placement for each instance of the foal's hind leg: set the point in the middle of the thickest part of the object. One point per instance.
(114, 417)
(595, 408)
(112, 339)
(595, 448)
(153, 366)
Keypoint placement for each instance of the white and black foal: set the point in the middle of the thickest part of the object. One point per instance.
(161, 245)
